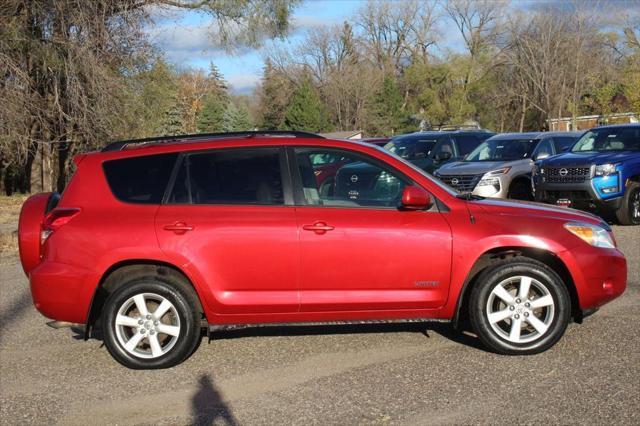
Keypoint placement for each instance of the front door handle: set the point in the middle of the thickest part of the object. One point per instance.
(178, 227)
(318, 227)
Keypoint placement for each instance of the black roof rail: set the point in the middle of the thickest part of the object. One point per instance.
(120, 145)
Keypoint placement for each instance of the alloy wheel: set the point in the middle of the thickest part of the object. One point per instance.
(520, 309)
(147, 325)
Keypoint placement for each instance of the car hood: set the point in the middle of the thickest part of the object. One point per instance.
(588, 158)
(475, 167)
(524, 209)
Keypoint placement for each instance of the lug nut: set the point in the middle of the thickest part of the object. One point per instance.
(155, 323)
(142, 331)
(526, 314)
(516, 316)
(517, 300)
(152, 332)
(140, 322)
(148, 316)
(511, 308)
(527, 304)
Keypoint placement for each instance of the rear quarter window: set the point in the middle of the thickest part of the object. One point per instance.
(140, 180)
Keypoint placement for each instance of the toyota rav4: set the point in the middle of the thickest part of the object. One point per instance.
(154, 240)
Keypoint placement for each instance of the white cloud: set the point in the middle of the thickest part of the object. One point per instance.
(243, 83)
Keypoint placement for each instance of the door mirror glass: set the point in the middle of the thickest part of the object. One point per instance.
(415, 198)
(541, 156)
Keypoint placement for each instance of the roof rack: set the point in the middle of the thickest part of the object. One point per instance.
(121, 145)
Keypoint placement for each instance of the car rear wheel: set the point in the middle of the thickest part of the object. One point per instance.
(519, 307)
(629, 211)
(150, 324)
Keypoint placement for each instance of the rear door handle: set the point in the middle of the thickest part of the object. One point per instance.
(318, 227)
(178, 227)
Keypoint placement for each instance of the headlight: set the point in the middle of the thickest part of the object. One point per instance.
(593, 235)
(605, 169)
(489, 179)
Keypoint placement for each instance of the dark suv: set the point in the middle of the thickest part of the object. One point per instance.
(430, 150)
(154, 240)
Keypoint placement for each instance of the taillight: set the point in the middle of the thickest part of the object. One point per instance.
(57, 218)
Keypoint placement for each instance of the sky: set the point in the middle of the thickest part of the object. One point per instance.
(184, 37)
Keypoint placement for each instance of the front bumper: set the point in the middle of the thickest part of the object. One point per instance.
(599, 274)
(583, 195)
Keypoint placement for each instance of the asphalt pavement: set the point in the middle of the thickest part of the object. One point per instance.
(369, 374)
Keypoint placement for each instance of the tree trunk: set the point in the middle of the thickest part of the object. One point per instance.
(63, 155)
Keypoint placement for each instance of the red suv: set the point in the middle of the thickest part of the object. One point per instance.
(154, 240)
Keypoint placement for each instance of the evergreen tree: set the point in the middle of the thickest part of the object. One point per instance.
(236, 118)
(211, 117)
(386, 117)
(172, 120)
(306, 111)
(274, 97)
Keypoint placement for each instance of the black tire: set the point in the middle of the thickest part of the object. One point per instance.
(520, 190)
(184, 312)
(480, 302)
(627, 213)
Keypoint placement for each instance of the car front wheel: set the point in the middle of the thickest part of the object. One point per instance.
(519, 307)
(150, 324)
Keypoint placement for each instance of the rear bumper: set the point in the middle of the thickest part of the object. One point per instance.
(60, 291)
(600, 275)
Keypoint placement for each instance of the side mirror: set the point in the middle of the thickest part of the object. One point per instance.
(442, 156)
(566, 148)
(541, 156)
(415, 198)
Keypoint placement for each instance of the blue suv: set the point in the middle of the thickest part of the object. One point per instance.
(601, 172)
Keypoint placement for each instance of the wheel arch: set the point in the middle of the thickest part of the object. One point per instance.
(494, 255)
(135, 268)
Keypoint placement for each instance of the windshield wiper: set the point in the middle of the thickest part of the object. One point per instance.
(469, 196)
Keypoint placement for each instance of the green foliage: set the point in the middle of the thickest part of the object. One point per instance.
(274, 99)
(171, 123)
(211, 118)
(236, 118)
(306, 111)
(386, 112)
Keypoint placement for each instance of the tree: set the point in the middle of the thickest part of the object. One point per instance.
(273, 95)
(215, 103)
(67, 68)
(236, 118)
(387, 117)
(306, 111)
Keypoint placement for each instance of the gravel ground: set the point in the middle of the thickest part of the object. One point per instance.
(388, 374)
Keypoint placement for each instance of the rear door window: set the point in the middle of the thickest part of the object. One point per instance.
(235, 176)
(140, 180)
(466, 144)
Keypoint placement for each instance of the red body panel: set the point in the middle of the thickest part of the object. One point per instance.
(255, 264)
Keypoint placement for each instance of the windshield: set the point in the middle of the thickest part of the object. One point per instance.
(411, 148)
(502, 150)
(615, 139)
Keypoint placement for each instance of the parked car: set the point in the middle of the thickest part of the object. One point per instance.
(152, 241)
(501, 166)
(600, 173)
(377, 141)
(430, 150)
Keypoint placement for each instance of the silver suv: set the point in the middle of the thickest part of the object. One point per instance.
(501, 166)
